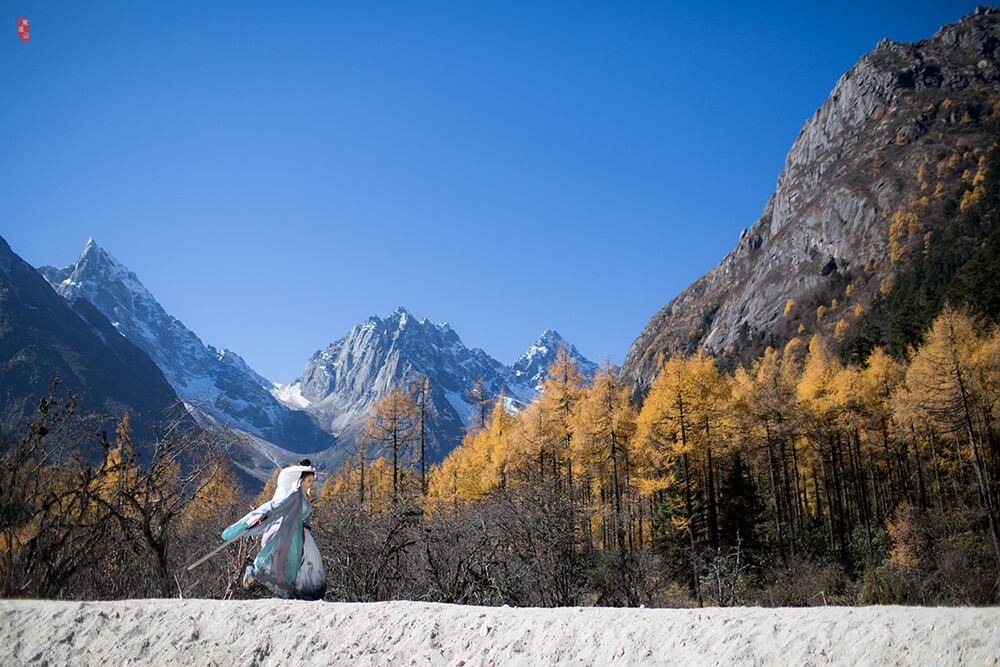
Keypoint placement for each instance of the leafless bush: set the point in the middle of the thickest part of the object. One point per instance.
(725, 581)
(462, 562)
(84, 517)
(802, 582)
(50, 530)
(367, 555)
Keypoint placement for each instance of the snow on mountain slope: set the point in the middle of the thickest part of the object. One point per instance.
(44, 338)
(531, 366)
(217, 383)
(342, 382)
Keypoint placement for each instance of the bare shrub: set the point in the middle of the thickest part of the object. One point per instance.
(82, 517)
(802, 582)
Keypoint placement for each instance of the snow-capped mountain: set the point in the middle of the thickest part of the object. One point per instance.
(322, 411)
(531, 366)
(43, 338)
(341, 382)
(216, 385)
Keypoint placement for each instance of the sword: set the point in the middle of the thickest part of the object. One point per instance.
(226, 544)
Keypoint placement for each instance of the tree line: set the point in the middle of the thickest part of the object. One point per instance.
(799, 480)
(86, 512)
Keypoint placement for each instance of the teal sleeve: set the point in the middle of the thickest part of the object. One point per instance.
(234, 530)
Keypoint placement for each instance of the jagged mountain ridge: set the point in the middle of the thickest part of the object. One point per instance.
(530, 367)
(903, 129)
(217, 385)
(341, 382)
(44, 337)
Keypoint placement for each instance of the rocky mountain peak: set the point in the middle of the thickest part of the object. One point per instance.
(341, 383)
(219, 386)
(531, 366)
(43, 337)
(117, 292)
(903, 108)
(92, 274)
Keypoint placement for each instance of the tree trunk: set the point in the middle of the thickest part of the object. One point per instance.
(774, 487)
(982, 473)
(713, 510)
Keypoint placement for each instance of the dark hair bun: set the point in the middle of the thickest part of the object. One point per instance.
(305, 462)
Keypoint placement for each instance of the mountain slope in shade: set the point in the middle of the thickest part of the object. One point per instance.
(900, 136)
(341, 383)
(43, 337)
(218, 385)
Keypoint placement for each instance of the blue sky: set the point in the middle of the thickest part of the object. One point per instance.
(277, 172)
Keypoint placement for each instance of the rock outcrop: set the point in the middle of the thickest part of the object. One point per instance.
(875, 147)
(44, 338)
(218, 386)
(341, 383)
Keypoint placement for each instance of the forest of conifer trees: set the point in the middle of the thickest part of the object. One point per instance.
(800, 480)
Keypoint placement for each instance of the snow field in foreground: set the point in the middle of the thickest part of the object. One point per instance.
(280, 632)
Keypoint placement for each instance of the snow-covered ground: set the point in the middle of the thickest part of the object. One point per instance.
(279, 632)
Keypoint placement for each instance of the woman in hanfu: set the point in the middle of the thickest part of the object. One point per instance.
(289, 562)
